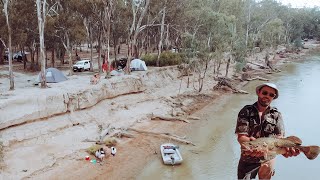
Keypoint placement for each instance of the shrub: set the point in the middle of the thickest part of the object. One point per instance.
(167, 58)
(239, 66)
(150, 59)
(110, 142)
(92, 150)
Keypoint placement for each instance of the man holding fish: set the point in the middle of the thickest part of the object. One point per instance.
(260, 120)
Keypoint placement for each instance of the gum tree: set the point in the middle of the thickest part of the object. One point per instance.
(6, 5)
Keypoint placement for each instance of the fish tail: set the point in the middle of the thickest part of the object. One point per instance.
(294, 139)
(310, 151)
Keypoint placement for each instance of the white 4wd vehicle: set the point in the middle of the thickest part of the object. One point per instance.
(82, 65)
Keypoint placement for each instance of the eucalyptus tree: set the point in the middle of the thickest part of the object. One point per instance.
(262, 13)
(6, 8)
(108, 13)
(161, 32)
(3, 38)
(68, 28)
(119, 25)
(41, 13)
(91, 15)
(25, 28)
(139, 9)
(273, 33)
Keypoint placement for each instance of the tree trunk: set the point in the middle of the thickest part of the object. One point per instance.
(161, 36)
(41, 7)
(91, 48)
(6, 2)
(99, 50)
(1, 57)
(52, 57)
(248, 23)
(227, 68)
(134, 31)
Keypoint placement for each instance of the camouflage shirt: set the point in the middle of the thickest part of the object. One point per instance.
(249, 123)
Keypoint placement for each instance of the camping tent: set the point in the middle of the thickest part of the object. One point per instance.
(138, 65)
(53, 75)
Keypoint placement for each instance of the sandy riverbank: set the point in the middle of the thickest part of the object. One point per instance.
(54, 144)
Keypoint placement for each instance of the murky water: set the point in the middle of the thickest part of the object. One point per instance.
(217, 152)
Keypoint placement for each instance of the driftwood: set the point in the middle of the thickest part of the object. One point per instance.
(255, 78)
(123, 134)
(105, 132)
(169, 119)
(261, 66)
(164, 135)
(224, 81)
(97, 142)
(193, 118)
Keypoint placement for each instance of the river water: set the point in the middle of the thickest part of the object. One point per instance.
(217, 152)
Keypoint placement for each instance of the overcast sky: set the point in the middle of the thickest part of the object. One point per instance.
(301, 3)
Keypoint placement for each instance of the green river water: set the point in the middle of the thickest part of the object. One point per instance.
(217, 152)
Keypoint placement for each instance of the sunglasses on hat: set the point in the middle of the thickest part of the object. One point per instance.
(267, 93)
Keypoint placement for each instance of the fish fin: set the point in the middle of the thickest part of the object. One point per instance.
(311, 152)
(294, 139)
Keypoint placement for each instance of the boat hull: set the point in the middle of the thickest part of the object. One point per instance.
(170, 154)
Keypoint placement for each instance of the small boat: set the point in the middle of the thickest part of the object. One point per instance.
(170, 154)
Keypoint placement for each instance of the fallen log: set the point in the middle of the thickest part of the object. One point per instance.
(169, 119)
(164, 135)
(258, 77)
(261, 66)
(193, 118)
(123, 134)
(224, 81)
(105, 132)
(97, 142)
(240, 91)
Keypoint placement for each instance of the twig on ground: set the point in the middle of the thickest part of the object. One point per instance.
(169, 119)
(164, 135)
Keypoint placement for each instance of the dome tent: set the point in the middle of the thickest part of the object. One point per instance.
(53, 75)
(138, 65)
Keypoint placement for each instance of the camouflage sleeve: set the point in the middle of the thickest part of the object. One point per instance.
(280, 126)
(242, 126)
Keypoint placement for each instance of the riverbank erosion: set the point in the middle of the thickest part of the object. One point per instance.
(45, 132)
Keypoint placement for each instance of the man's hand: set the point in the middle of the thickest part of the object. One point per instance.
(291, 152)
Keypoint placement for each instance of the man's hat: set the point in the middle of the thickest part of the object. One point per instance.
(273, 86)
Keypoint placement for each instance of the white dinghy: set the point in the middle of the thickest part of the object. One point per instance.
(170, 154)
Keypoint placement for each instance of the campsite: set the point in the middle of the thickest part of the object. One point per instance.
(153, 69)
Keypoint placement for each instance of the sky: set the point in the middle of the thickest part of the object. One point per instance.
(301, 3)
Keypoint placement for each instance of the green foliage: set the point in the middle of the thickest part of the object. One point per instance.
(167, 58)
(109, 142)
(92, 150)
(150, 59)
(297, 43)
(272, 31)
(240, 64)
(239, 50)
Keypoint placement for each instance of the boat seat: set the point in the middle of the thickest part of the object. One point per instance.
(169, 151)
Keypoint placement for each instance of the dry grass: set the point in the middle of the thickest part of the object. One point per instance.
(108, 142)
(92, 150)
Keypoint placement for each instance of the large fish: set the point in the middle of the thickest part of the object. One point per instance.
(272, 146)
